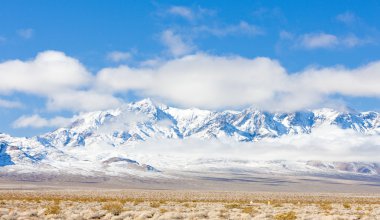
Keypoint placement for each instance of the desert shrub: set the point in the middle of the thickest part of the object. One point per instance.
(53, 209)
(189, 205)
(155, 204)
(137, 201)
(223, 214)
(232, 206)
(162, 210)
(286, 216)
(248, 210)
(325, 206)
(346, 205)
(113, 207)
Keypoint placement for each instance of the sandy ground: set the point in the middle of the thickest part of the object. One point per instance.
(180, 204)
(220, 181)
(203, 196)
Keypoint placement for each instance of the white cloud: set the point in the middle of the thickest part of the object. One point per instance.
(118, 56)
(326, 143)
(36, 121)
(323, 40)
(123, 121)
(82, 101)
(175, 43)
(362, 81)
(353, 41)
(181, 11)
(48, 73)
(199, 80)
(61, 79)
(320, 40)
(346, 17)
(26, 33)
(214, 82)
(10, 104)
(286, 35)
(243, 28)
(190, 14)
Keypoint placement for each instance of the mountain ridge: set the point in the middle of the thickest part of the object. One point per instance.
(99, 141)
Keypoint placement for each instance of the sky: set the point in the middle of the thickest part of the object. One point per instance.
(60, 58)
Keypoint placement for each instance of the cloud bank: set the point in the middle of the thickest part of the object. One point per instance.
(198, 80)
(326, 143)
(217, 82)
(62, 80)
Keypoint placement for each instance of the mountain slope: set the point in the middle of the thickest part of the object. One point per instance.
(143, 120)
(103, 141)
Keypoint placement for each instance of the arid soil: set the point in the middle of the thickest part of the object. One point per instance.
(172, 204)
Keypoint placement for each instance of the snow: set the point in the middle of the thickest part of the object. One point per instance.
(95, 137)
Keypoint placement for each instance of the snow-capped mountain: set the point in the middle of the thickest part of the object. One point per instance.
(100, 141)
(143, 120)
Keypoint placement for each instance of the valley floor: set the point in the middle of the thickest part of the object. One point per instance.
(189, 196)
(184, 204)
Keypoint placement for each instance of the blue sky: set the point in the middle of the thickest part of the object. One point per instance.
(157, 36)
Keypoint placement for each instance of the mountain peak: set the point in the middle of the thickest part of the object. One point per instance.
(96, 134)
(145, 102)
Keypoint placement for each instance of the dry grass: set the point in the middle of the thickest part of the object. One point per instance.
(162, 210)
(346, 205)
(113, 207)
(232, 206)
(277, 205)
(155, 204)
(326, 207)
(137, 201)
(286, 216)
(53, 209)
(249, 210)
(180, 205)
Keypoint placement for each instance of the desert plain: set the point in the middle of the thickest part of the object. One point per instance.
(201, 199)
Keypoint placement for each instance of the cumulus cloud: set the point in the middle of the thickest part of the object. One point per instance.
(61, 79)
(36, 121)
(118, 56)
(175, 44)
(198, 80)
(201, 80)
(214, 82)
(26, 33)
(361, 81)
(48, 73)
(82, 101)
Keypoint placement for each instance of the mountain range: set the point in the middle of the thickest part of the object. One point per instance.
(107, 142)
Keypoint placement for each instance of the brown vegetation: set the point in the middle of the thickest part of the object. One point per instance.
(181, 205)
